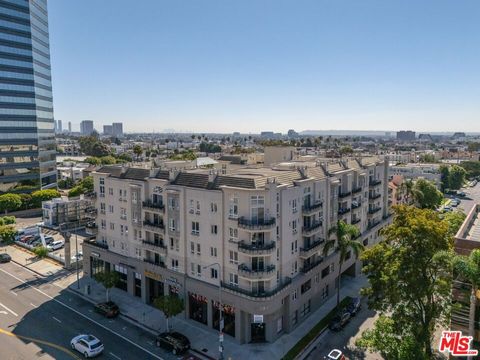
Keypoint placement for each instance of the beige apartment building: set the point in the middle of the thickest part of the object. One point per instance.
(259, 232)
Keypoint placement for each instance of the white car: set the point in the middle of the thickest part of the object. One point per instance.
(58, 244)
(88, 345)
(336, 354)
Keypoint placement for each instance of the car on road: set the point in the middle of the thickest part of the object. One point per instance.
(108, 309)
(4, 258)
(58, 244)
(336, 354)
(339, 321)
(354, 307)
(87, 345)
(173, 341)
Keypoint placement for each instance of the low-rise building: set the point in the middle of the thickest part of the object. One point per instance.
(416, 171)
(62, 210)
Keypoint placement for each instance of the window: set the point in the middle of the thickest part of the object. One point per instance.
(305, 308)
(103, 224)
(213, 273)
(233, 210)
(307, 285)
(175, 264)
(195, 228)
(294, 206)
(213, 207)
(192, 268)
(325, 272)
(192, 247)
(172, 204)
(198, 208)
(213, 251)
(214, 229)
(110, 191)
(121, 229)
(325, 292)
(171, 224)
(279, 324)
(110, 209)
(233, 232)
(317, 278)
(112, 226)
(233, 257)
(233, 279)
(294, 295)
(102, 187)
(191, 209)
(102, 208)
(294, 226)
(198, 250)
(295, 317)
(199, 270)
(123, 213)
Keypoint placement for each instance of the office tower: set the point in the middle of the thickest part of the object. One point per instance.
(86, 127)
(59, 127)
(70, 127)
(407, 135)
(107, 130)
(27, 135)
(117, 129)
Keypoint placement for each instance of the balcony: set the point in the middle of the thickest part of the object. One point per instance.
(246, 272)
(355, 221)
(374, 183)
(374, 210)
(311, 229)
(96, 244)
(356, 190)
(309, 250)
(154, 226)
(258, 294)
(153, 206)
(91, 195)
(310, 209)
(155, 246)
(159, 264)
(373, 224)
(256, 249)
(343, 211)
(355, 205)
(374, 196)
(306, 268)
(257, 224)
(345, 194)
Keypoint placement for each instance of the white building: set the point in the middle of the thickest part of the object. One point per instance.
(411, 171)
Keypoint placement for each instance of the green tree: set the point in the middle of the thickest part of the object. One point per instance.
(40, 251)
(346, 150)
(426, 194)
(108, 279)
(427, 158)
(83, 187)
(93, 160)
(7, 220)
(7, 233)
(344, 242)
(43, 195)
(471, 167)
(407, 280)
(455, 220)
(65, 184)
(169, 305)
(407, 189)
(108, 160)
(456, 177)
(444, 177)
(26, 201)
(137, 150)
(10, 202)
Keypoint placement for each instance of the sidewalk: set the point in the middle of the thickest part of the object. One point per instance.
(203, 338)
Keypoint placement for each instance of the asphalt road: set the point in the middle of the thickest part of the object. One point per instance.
(38, 320)
(472, 197)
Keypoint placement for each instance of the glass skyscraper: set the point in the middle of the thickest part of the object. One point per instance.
(27, 136)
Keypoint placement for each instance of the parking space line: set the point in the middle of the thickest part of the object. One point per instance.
(115, 356)
(14, 293)
(35, 306)
(54, 318)
(10, 311)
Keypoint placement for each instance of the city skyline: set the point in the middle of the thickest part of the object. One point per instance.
(253, 66)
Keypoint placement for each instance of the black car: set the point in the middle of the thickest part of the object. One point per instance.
(354, 307)
(108, 309)
(339, 321)
(4, 258)
(173, 341)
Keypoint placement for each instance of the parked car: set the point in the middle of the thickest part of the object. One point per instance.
(108, 309)
(461, 194)
(173, 341)
(49, 239)
(454, 203)
(354, 307)
(4, 258)
(58, 244)
(87, 345)
(27, 238)
(339, 321)
(447, 208)
(336, 354)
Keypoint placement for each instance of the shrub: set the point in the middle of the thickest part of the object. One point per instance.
(43, 195)
(7, 220)
(40, 251)
(7, 233)
(10, 202)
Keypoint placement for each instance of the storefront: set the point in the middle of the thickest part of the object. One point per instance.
(198, 308)
(138, 285)
(155, 286)
(97, 265)
(122, 272)
(258, 333)
(228, 318)
(174, 286)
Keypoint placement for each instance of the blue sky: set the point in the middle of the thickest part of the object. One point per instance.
(252, 65)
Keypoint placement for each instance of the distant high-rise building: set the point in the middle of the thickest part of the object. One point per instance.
(69, 126)
(59, 126)
(406, 135)
(107, 130)
(86, 127)
(117, 129)
(27, 135)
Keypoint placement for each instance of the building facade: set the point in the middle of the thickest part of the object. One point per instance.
(86, 127)
(27, 135)
(117, 129)
(258, 233)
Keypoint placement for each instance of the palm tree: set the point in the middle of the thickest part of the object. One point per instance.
(408, 191)
(344, 240)
(468, 268)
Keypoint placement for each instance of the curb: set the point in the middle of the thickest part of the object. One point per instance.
(26, 267)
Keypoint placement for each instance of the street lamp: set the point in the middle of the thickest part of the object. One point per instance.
(220, 308)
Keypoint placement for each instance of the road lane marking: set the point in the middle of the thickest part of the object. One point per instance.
(35, 306)
(10, 311)
(3, 312)
(14, 293)
(61, 348)
(83, 315)
(54, 318)
(115, 356)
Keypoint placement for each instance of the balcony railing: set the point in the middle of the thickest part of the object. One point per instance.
(308, 209)
(91, 195)
(245, 271)
(356, 205)
(258, 294)
(374, 182)
(374, 196)
(374, 210)
(356, 190)
(311, 229)
(355, 221)
(256, 224)
(256, 249)
(154, 244)
(311, 248)
(345, 194)
(343, 211)
(97, 244)
(306, 268)
(153, 205)
(153, 262)
(158, 225)
(373, 224)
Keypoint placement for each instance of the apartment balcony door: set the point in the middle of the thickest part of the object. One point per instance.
(258, 239)
(307, 200)
(258, 215)
(258, 287)
(258, 263)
